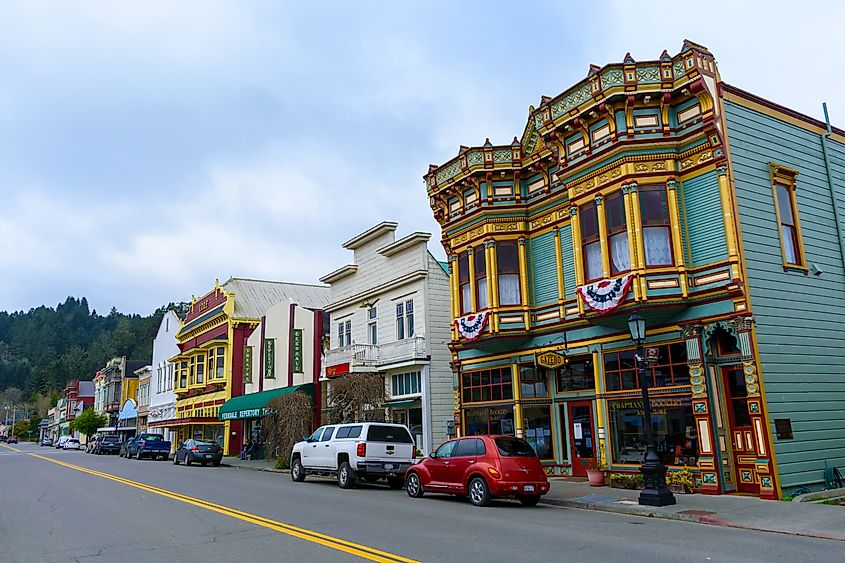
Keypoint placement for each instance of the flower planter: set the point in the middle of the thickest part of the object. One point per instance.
(596, 477)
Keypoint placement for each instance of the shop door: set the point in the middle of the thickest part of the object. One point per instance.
(582, 445)
(741, 430)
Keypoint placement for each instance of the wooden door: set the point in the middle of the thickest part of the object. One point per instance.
(581, 437)
(741, 430)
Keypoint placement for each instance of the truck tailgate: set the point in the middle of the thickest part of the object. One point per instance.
(383, 451)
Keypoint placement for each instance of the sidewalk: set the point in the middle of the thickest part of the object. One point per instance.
(796, 518)
(252, 464)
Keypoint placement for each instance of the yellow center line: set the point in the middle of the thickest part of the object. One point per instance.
(358, 550)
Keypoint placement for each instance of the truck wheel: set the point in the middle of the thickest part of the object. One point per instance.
(413, 486)
(187, 460)
(395, 483)
(479, 493)
(175, 460)
(297, 472)
(345, 476)
(139, 456)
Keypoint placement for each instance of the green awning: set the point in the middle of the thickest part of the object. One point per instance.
(404, 404)
(254, 405)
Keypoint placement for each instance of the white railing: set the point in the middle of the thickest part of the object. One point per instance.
(369, 355)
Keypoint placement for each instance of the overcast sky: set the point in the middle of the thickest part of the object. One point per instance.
(148, 148)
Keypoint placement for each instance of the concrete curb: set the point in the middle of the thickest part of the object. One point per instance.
(820, 495)
(256, 468)
(636, 510)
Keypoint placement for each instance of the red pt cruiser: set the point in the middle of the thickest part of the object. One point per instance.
(481, 467)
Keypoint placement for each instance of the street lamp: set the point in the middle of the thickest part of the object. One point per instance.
(655, 493)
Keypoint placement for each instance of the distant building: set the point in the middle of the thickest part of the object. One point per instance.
(142, 397)
(390, 315)
(116, 383)
(654, 187)
(212, 343)
(162, 408)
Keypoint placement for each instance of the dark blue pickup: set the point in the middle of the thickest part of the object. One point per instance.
(148, 445)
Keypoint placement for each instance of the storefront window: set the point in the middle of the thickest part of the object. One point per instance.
(576, 375)
(533, 382)
(673, 426)
(488, 420)
(671, 369)
(487, 385)
(537, 424)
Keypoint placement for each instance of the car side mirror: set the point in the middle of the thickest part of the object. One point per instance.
(432, 455)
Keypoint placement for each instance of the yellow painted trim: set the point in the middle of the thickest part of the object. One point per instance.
(576, 251)
(561, 289)
(523, 280)
(338, 544)
(678, 247)
(633, 239)
(786, 177)
(455, 285)
(493, 285)
(728, 222)
(605, 251)
(639, 278)
(471, 267)
(517, 396)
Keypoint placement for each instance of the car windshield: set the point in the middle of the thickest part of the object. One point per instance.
(198, 443)
(514, 447)
(152, 437)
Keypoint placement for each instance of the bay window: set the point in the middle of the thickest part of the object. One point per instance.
(480, 279)
(200, 369)
(463, 281)
(591, 242)
(617, 233)
(657, 228)
(507, 265)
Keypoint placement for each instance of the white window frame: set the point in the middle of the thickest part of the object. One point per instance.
(372, 325)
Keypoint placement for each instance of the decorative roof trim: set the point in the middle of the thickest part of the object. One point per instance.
(340, 273)
(404, 243)
(368, 235)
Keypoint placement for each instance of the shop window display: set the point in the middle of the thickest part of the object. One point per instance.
(537, 429)
(673, 425)
(489, 420)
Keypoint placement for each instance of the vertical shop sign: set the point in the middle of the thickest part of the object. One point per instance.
(248, 364)
(297, 350)
(269, 358)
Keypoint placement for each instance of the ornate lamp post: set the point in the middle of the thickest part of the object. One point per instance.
(655, 493)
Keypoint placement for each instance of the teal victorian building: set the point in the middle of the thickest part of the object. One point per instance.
(655, 187)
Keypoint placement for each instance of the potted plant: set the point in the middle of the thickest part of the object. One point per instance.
(595, 472)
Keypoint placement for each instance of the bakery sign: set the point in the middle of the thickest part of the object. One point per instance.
(551, 360)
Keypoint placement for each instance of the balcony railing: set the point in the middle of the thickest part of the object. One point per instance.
(376, 355)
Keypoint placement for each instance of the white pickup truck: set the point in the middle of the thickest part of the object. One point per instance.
(365, 450)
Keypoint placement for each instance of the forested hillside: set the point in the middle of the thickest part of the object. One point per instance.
(43, 348)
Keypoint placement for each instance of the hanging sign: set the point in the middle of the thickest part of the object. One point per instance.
(270, 358)
(551, 360)
(651, 355)
(248, 364)
(605, 295)
(470, 326)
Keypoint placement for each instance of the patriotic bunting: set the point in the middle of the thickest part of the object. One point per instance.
(470, 326)
(605, 295)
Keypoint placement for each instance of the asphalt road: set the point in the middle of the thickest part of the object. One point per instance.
(81, 507)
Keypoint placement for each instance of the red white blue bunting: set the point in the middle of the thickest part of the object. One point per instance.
(605, 295)
(470, 326)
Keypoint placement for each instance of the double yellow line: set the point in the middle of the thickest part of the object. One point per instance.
(359, 550)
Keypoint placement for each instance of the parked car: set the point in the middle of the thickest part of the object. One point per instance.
(148, 445)
(124, 447)
(4, 438)
(12, 440)
(108, 445)
(367, 450)
(60, 443)
(92, 443)
(196, 451)
(481, 467)
(72, 444)
(46, 442)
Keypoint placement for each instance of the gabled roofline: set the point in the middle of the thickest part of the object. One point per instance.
(404, 243)
(371, 233)
(340, 273)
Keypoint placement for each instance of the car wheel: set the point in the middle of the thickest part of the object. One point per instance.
(345, 476)
(413, 485)
(479, 493)
(175, 460)
(297, 472)
(187, 460)
(529, 500)
(139, 456)
(216, 464)
(395, 482)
